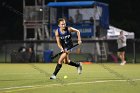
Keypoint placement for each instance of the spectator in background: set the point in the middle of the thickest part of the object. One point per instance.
(22, 55)
(70, 20)
(31, 53)
(21, 49)
(97, 14)
(122, 47)
(91, 20)
(78, 17)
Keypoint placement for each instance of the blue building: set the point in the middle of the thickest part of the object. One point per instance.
(87, 26)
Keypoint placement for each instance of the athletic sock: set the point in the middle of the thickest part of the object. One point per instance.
(58, 67)
(76, 64)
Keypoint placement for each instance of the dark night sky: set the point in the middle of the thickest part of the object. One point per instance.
(123, 14)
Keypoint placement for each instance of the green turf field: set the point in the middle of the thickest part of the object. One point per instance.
(96, 78)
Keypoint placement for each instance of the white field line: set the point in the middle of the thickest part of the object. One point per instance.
(17, 73)
(20, 88)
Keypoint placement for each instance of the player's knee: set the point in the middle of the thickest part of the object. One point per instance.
(65, 61)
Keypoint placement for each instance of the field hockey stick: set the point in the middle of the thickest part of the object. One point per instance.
(62, 51)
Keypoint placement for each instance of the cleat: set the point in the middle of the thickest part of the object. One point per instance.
(53, 77)
(79, 68)
(123, 63)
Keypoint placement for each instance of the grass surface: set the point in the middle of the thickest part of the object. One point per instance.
(96, 78)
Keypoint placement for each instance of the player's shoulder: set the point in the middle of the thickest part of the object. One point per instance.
(56, 31)
(68, 28)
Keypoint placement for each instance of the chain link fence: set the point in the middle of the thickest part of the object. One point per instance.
(90, 50)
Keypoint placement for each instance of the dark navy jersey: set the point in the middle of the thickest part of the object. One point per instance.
(65, 38)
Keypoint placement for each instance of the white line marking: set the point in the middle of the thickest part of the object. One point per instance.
(16, 73)
(20, 88)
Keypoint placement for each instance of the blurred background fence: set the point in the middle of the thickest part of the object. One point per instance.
(90, 51)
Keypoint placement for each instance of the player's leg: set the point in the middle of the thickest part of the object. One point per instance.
(58, 66)
(76, 64)
(123, 58)
(122, 55)
(119, 55)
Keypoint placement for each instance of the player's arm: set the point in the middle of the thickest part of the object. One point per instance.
(71, 29)
(123, 39)
(58, 40)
